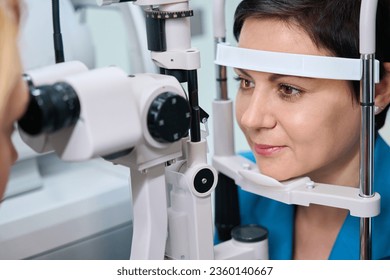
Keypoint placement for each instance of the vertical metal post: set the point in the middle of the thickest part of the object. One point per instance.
(219, 30)
(226, 192)
(221, 76)
(367, 149)
(367, 95)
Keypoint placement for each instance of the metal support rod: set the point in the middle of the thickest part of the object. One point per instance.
(367, 142)
(221, 76)
(365, 239)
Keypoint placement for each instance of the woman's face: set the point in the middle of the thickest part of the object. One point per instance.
(296, 126)
(14, 109)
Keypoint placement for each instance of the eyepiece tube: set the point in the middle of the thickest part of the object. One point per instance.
(51, 108)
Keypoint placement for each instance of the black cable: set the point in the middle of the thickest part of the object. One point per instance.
(57, 36)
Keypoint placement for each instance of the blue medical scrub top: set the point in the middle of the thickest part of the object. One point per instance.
(278, 218)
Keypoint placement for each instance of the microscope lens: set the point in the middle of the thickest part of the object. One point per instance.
(50, 109)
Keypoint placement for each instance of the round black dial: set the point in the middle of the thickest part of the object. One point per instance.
(168, 118)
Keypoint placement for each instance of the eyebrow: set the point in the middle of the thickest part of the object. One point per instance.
(273, 77)
(242, 71)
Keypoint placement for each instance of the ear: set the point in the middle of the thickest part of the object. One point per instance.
(382, 90)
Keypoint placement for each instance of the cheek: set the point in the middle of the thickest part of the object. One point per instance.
(300, 126)
(8, 156)
(4, 173)
(241, 105)
(328, 136)
(8, 152)
(238, 110)
(21, 99)
(320, 122)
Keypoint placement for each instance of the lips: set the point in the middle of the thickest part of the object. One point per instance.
(267, 150)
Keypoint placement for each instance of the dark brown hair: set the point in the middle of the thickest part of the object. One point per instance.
(331, 24)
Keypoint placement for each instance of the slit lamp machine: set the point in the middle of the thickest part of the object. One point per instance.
(152, 124)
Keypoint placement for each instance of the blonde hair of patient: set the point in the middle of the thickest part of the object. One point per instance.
(9, 68)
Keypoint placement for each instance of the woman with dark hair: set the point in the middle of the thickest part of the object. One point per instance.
(300, 126)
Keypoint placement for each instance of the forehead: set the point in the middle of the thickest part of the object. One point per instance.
(277, 36)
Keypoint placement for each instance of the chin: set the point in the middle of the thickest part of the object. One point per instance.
(278, 174)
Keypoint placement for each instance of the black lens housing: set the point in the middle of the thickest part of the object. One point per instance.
(51, 108)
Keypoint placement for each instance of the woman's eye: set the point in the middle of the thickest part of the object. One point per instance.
(244, 83)
(288, 91)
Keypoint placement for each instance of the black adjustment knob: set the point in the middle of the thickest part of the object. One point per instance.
(249, 233)
(204, 180)
(168, 118)
(50, 109)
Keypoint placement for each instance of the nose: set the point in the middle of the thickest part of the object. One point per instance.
(259, 113)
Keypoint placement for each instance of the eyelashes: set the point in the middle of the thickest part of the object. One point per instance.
(244, 84)
(285, 91)
(289, 92)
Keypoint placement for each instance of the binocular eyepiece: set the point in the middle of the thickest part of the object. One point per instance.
(57, 106)
(50, 108)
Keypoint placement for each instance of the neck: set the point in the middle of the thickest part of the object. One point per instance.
(316, 229)
(317, 226)
(322, 216)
